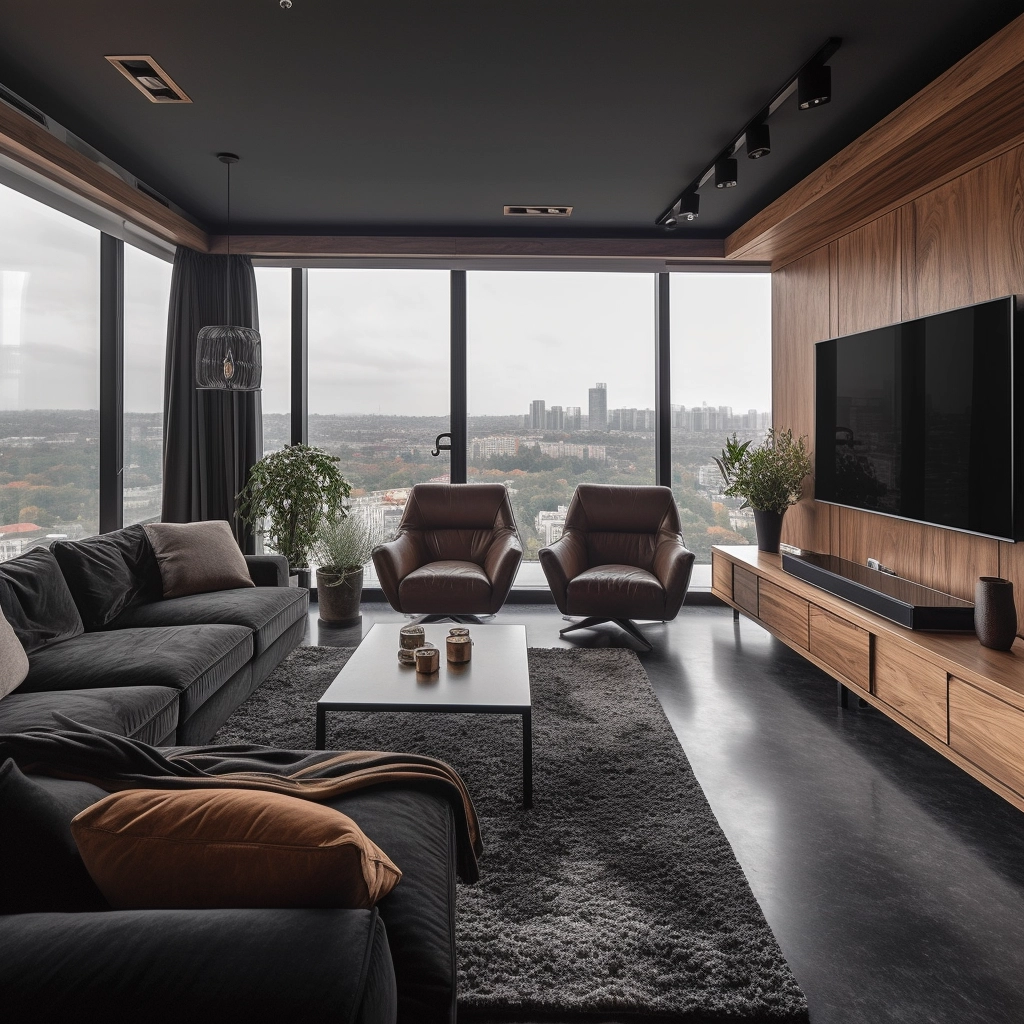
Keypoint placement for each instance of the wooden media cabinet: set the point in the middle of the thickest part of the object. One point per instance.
(962, 699)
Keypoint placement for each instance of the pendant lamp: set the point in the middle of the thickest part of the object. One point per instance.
(228, 358)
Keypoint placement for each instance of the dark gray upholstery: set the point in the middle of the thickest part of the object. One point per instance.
(207, 718)
(195, 660)
(35, 600)
(197, 965)
(146, 713)
(417, 831)
(109, 573)
(267, 611)
(268, 570)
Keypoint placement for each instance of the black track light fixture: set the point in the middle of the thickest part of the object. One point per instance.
(689, 206)
(759, 141)
(726, 172)
(814, 86)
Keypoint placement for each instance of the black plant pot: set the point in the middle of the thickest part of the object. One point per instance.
(769, 529)
(300, 576)
(995, 614)
(339, 601)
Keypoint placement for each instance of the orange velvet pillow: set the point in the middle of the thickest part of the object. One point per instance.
(204, 848)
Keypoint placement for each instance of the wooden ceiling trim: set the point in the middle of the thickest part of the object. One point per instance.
(368, 246)
(966, 116)
(33, 146)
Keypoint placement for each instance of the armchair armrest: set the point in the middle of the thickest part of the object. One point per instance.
(268, 570)
(563, 561)
(394, 561)
(673, 564)
(174, 965)
(500, 563)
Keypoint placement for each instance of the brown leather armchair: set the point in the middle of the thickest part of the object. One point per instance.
(621, 557)
(455, 554)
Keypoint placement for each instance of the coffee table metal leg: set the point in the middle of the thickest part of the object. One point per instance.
(527, 759)
(321, 727)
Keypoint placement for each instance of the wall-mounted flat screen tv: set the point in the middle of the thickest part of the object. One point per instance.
(918, 420)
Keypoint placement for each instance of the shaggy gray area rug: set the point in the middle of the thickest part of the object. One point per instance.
(618, 896)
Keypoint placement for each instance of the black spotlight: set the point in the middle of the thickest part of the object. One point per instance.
(759, 141)
(689, 206)
(670, 221)
(814, 87)
(726, 172)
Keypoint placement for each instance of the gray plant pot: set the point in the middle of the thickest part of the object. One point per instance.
(339, 602)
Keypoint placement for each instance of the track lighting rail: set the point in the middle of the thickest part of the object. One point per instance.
(678, 209)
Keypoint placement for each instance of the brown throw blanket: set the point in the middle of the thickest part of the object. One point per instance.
(114, 762)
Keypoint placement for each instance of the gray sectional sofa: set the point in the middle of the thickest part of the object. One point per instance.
(106, 649)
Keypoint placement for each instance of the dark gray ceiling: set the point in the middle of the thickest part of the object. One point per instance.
(417, 116)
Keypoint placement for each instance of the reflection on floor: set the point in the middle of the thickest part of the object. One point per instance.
(893, 881)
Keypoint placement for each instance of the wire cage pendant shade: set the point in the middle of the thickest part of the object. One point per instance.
(228, 357)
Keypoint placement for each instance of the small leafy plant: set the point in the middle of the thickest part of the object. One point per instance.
(288, 495)
(769, 477)
(342, 547)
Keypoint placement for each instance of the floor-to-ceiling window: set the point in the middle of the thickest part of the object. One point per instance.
(273, 290)
(561, 388)
(721, 385)
(147, 288)
(379, 381)
(49, 374)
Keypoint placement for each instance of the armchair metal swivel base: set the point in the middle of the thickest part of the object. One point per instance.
(628, 625)
(463, 620)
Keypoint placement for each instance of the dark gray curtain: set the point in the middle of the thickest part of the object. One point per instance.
(211, 438)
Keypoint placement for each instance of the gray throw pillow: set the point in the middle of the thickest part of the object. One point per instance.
(13, 659)
(195, 558)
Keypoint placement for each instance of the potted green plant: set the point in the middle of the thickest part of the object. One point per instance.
(286, 498)
(768, 478)
(342, 547)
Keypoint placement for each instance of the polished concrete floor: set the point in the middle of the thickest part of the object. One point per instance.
(893, 881)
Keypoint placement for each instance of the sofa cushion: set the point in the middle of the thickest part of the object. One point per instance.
(418, 832)
(212, 848)
(267, 611)
(146, 713)
(36, 601)
(195, 558)
(13, 659)
(195, 660)
(40, 867)
(109, 573)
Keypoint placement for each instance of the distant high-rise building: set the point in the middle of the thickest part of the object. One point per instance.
(599, 407)
(556, 418)
(537, 417)
(573, 418)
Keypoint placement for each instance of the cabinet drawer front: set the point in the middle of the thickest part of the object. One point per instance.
(721, 575)
(845, 648)
(988, 732)
(784, 612)
(744, 589)
(912, 686)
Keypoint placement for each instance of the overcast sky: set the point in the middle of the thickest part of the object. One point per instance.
(378, 339)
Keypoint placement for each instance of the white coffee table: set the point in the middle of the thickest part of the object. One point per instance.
(495, 681)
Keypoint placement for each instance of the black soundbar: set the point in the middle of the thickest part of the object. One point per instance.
(892, 597)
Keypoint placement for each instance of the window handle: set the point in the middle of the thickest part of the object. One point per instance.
(438, 447)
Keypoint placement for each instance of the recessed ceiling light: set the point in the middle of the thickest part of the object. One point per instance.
(150, 79)
(538, 211)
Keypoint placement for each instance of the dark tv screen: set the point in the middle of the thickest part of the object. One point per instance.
(917, 420)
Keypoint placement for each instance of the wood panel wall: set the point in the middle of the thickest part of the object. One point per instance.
(960, 243)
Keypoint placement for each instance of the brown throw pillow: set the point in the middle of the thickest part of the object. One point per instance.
(195, 558)
(13, 659)
(210, 848)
